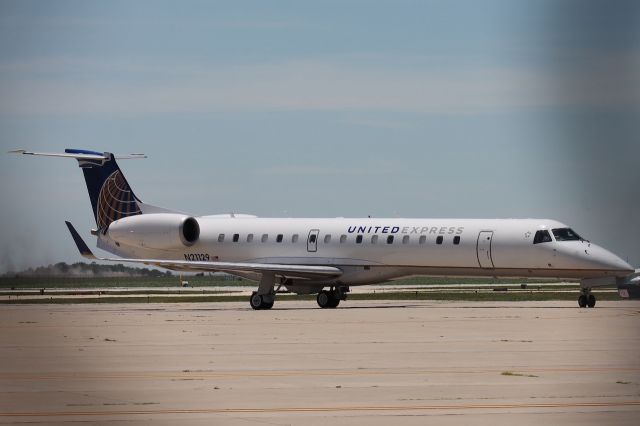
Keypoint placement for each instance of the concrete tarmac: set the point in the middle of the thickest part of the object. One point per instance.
(367, 362)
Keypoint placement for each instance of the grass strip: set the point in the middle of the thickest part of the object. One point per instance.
(520, 296)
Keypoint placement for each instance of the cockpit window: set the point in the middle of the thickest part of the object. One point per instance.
(565, 234)
(542, 236)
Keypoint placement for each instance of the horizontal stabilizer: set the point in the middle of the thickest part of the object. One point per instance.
(290, 271)
(79, 154)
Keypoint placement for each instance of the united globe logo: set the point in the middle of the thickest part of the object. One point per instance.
(116, 200)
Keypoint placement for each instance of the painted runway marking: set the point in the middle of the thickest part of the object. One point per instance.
(324, 409)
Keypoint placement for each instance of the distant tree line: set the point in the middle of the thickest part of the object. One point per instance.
(81, 269)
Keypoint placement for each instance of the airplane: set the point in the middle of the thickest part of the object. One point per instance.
(326, 256)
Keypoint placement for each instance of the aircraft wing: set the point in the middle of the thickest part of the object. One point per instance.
(292, 271)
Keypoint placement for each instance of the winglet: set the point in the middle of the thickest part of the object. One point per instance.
(82, 246)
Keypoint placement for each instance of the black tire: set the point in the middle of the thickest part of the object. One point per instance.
(582, 301)
(591, 301)
(266, 305)
(256, 301)
(324, 299)
(335, 299)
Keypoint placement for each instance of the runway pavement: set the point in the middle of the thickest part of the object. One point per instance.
(373, 362)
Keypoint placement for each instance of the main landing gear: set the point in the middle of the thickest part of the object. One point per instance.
(261, 301)
(331, 298)
(266, 295)
(586, 299)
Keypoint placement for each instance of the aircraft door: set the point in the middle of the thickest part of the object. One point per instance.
(312, 240)
(483, 249)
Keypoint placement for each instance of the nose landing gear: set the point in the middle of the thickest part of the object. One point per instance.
(587, 299)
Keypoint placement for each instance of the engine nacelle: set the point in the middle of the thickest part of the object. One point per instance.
(630, 287)
(164, 231)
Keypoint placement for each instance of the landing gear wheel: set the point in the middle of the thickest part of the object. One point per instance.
(324, 299)
(255, 301)
(328, 299)
(334, 301)
(582, 301)
(259, 302)
(591, 301)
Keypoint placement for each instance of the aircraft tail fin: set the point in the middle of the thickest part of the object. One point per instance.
(111, 195)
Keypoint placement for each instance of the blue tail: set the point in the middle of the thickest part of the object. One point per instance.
(111, 195)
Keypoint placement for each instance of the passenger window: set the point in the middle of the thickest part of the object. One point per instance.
(327, 238)
(390, 239)
(343, 239)
(279, 238)
(542, 236)
(456, 240)
(422, 240)
(359, 239)
(265, 237)
(249, 238)
(220, 238)
(405, 239)
(236, 238)
(294, 239)
(312, 238)
(439, 239)
(374, 239)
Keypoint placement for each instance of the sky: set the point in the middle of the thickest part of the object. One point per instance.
(321, 109)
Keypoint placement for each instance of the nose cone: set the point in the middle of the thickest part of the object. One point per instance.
(603, 259)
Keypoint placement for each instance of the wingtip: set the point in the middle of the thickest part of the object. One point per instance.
(80, 244)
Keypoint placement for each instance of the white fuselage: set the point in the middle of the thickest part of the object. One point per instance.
(374, 250)
(307, 255)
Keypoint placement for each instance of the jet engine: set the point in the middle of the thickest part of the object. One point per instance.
(164, 231)
(630, 287)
